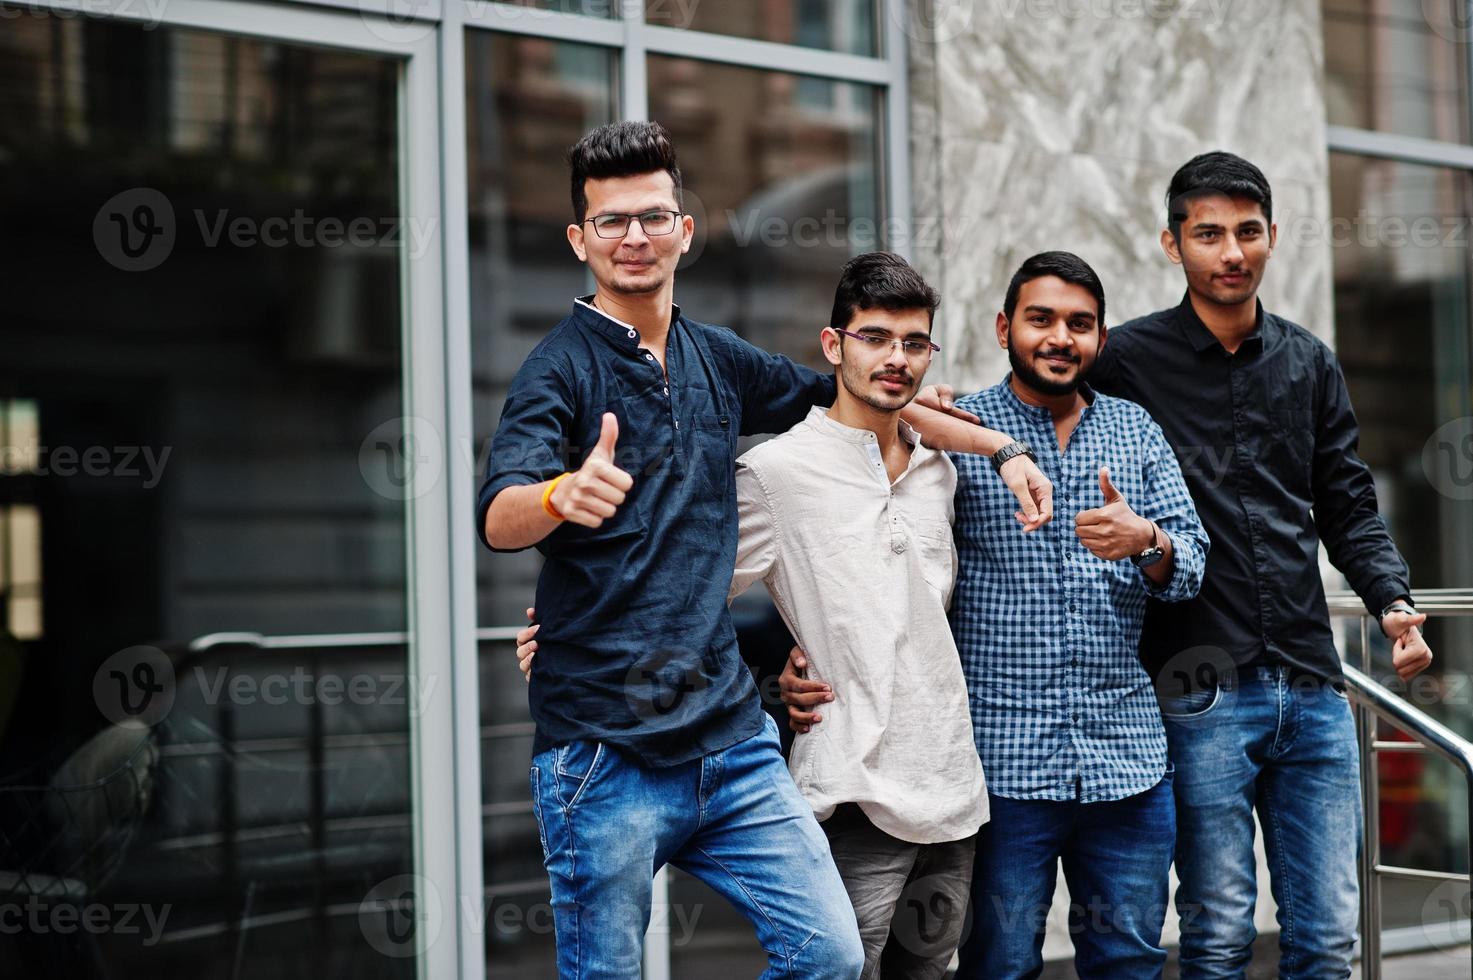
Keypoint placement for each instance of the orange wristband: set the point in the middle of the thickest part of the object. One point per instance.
(547, 497)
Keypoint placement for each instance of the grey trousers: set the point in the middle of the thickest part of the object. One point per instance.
(910, 899)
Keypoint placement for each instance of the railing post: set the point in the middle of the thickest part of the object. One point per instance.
(1370, 856)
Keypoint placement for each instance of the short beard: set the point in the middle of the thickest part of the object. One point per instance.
(1044, 386)
(854, 387)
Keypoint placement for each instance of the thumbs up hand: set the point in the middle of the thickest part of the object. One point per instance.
(594, 492)
(1114, 531)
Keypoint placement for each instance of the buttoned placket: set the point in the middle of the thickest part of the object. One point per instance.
(876, 462)
(1067, 464)
(1237, 383)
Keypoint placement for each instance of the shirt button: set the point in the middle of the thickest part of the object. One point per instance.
(649, 357)
(667, 391)
(633, 334)
(900, 547)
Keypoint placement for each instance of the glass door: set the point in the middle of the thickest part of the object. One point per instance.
(222, 518)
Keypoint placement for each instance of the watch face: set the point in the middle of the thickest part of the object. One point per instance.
(1149, 558)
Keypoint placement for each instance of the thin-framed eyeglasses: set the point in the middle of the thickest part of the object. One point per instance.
(657, 222)
(874, 342)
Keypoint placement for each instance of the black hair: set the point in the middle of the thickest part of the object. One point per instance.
(1064, 265)
(624, 149)
(1218, 172)
(880, 280)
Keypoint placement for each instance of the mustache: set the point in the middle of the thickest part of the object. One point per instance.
(891, 376)
(1073, 358)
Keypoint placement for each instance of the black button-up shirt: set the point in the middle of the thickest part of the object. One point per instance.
(636, 647)
(1267, 441)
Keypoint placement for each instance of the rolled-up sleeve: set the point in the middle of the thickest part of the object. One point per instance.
(536, 422)
(1169, 504)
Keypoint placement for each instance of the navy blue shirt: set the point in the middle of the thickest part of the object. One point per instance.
(1266, 438)
(636, 647)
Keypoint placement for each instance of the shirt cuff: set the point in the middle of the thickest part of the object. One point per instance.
(1159, 591)
(1383, 592)
(489, 490)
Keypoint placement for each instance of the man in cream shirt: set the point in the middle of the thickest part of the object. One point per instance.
(847, 519)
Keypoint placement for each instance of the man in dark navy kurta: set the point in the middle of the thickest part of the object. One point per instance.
(638, 649)
(614, 457)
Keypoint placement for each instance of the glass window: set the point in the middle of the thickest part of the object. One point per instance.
(1401, 263)
(203, 367)
(587, 8)
(528, 100)
(782, 173)
(838, 25)
(1396, 66)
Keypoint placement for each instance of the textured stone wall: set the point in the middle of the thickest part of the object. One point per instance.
(1042, 124)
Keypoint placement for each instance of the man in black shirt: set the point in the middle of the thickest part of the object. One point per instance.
(1247, 673)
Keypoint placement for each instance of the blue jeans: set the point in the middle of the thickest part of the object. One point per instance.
(1285, 744)
(733, 819)
(1116, 855)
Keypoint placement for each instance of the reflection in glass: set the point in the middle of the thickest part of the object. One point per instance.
(1395, 66)
(203, 323)
(782, 175)
(528, 101)
(1402, 333)
(837, 25)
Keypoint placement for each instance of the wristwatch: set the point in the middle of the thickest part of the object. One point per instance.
(1397, 605)
(1151, 555)
(1011, 450)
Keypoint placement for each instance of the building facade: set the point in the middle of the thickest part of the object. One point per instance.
(272, 266)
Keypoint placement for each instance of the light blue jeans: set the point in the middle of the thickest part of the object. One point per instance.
(733, 819)
(1284, 744)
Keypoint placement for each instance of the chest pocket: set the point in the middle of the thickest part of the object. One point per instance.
(937, 555)
(713, 451)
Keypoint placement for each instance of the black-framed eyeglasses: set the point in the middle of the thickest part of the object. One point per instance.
(658, 222)
(875, 342)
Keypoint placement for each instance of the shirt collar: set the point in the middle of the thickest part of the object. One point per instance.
(1040, 411)
(622, 334)
(818, 416)
(1201, 338)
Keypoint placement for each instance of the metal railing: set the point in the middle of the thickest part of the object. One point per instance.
(1374, 703)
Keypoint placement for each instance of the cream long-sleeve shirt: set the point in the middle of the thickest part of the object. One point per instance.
(861, 570)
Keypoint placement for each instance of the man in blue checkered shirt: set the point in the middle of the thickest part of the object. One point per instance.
(1064, 716)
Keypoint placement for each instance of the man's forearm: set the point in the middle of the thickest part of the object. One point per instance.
(516, 518)
(947, 432)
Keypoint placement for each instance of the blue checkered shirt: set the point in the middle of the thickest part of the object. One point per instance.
(1061, 707)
